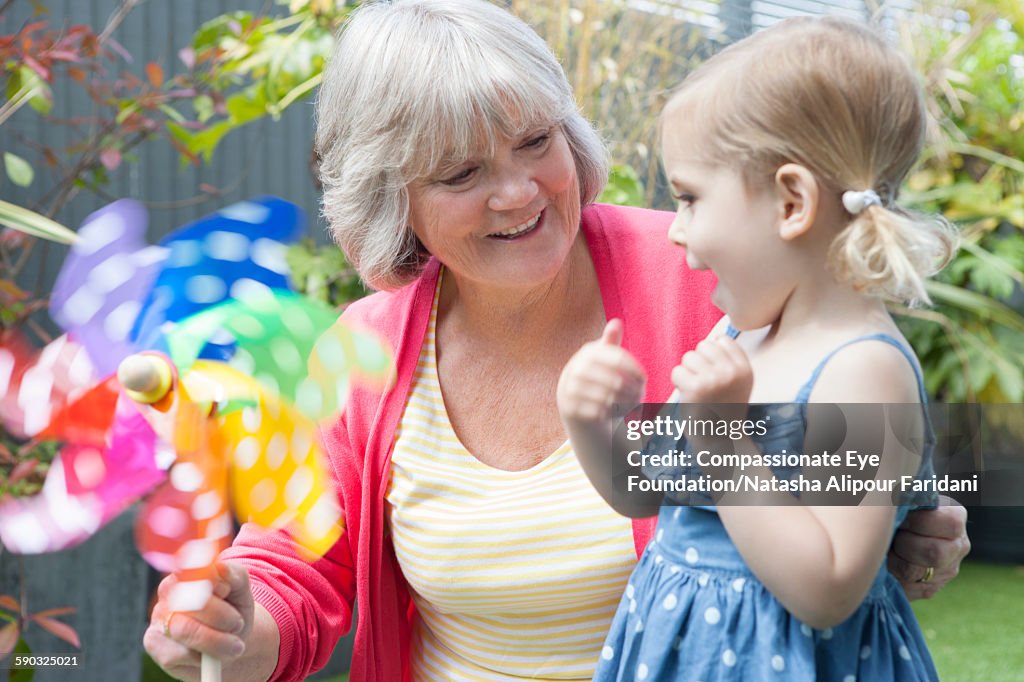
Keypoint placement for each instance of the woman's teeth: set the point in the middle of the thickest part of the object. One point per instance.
(519, 229)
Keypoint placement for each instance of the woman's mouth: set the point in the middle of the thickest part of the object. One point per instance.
(518, 231)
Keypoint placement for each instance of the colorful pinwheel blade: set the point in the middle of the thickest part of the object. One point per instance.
(295, 347)
(87, 485)
(133, 464)
(98, 293)
(218, 257)
(186, 524)
(35, 386)
(52, 520)
(278, 476)
(341, 351)
(87, 419)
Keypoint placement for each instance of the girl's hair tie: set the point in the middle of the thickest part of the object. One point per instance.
(855, 202)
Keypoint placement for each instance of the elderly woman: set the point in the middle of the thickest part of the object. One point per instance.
(459, 179)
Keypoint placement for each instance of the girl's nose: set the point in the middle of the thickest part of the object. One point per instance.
(677, 231)
(513, 190)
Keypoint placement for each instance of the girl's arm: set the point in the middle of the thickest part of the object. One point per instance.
(599, 383)
(818, 561)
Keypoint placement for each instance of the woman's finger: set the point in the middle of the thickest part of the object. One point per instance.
(947, 521)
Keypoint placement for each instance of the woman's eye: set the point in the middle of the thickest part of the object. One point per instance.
(459, 177)
(537, 142)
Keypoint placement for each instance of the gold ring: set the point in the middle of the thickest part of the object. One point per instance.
(167, 623)
(929, 573)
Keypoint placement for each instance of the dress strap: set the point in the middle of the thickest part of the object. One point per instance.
(805, 391)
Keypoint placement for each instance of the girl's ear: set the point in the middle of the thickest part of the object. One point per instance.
(799, 195)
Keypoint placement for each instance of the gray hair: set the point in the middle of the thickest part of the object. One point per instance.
(414, 84)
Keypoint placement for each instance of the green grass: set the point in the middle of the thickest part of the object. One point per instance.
(974, 626)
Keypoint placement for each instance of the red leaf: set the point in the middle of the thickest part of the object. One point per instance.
(43, 72)
(10, 603)
(23, 470)
(64, 55)
(33, 27)
(51, 158)
(155, 74)
(55, 612)
(110, 158)
(9, 635)
(76, 74)
(119, 49)
(59, 629)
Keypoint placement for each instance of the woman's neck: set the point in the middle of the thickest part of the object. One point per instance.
(509, 319)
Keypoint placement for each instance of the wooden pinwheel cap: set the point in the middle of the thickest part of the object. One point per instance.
(146, 378)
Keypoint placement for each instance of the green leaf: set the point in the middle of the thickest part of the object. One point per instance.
(18, 170)
(979, 305)
(32, 223)
(22, 674)
(203, 104)
(624, 187)
(35, 88)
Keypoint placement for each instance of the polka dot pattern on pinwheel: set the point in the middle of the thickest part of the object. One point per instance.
(221, 256)
(37, 385)
(295, 347)
(288, 486)
(98, 293)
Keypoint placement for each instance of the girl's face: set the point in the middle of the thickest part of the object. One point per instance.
(508, 219)
(729, 228)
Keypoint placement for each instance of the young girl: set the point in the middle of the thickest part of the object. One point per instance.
(785, 152)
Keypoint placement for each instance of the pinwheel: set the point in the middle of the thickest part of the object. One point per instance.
(239, 371)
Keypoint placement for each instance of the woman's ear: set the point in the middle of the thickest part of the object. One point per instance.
(799, 195)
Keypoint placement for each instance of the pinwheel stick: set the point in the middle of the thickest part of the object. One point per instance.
(147, 379)
(209, 670)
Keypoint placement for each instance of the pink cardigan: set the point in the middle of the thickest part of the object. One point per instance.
(666, 310)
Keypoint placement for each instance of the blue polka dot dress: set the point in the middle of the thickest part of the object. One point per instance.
(693, 611)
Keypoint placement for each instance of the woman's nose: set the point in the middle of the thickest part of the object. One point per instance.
(513, 189)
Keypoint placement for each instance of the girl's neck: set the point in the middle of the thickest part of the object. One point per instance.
(509, 319)
(823, 307)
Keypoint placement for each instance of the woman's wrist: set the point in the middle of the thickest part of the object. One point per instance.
(261, 650)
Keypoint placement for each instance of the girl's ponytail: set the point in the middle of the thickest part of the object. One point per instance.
(889, 252)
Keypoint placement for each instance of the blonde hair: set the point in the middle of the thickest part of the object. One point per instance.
(831, 95)
(414, 84)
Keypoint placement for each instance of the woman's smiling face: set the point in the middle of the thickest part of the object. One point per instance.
(508, 218)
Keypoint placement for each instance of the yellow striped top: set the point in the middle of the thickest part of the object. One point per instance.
(515, 574)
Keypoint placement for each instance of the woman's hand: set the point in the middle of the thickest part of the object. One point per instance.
(176, 639)
(935, 539)
(599, 378)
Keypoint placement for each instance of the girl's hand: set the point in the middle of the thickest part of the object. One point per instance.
(717, 371)
(602, 380)
(176, 639)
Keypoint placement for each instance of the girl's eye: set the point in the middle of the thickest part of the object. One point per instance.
(685, 199)
(459, 177)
